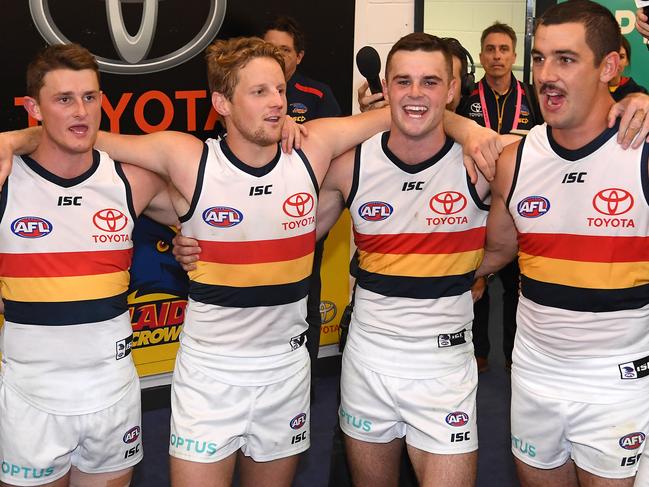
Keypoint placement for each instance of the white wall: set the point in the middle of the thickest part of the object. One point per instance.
(380, 23)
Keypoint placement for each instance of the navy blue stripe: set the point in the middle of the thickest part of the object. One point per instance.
(199, 185)
(355, 178)
(65, 313)
(249, 297)
(415, 287)
(580, 299)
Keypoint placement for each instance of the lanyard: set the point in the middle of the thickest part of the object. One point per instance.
(485, 112)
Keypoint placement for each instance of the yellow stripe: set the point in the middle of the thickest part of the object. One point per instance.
(59, 289)
(420, 265)
(248, 275)
(588, 275)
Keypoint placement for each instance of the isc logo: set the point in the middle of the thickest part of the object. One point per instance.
(533, 207)
(31, 227)
(374, 211)
(632, 441)
(132, 435)
(457, 418)
(222, 216)
(298, 421)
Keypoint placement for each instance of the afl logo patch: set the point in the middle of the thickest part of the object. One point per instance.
(298, 421)
(457, 419)
(31, 227)
(298, 108)
(632, 441)
(613, 201)
(222, 216)
(110, 220)
(448, 203)
(374, 211)
(533, 207)
(132, 435)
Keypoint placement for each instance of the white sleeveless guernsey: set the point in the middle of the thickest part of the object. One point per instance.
(65, 251)
(247, 298)
(583, 229)
(420, 233)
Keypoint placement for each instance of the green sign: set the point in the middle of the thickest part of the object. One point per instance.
(624, 11)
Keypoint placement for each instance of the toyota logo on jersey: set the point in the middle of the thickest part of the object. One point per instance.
(613, 201)
(298, 205)
(110, 220)
(448, 203)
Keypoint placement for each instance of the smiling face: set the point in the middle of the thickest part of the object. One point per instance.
(418, 89)
(572, 88)
(69, 106)
(257, 108)
(497, 55)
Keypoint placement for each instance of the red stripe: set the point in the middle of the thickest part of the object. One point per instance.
(624, 80)
(257, 251)
(63, 264)
(309, 89)
(422, 243)
(585, 248)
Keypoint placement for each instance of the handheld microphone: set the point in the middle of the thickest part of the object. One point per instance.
(369, 65)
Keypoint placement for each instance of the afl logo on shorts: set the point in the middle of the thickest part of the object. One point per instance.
(374, 211)
(613, 201)
(110, 220)
(632, 441)
(457, 418)
(533, 207)
(31, 227)
(222, 216)
(132, 435)
(298, 205)
(298, 421)
(448, 203)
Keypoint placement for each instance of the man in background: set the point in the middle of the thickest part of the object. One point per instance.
(502, 103)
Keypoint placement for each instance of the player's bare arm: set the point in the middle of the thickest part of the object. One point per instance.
(172, 155)
(502, 244)
(150, 195)
(334, 192)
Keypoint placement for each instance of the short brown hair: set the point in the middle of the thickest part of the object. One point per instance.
(498, 28)
(58, 56)
(226, 57)
(291, 27)
(420, 41)
(603, 34)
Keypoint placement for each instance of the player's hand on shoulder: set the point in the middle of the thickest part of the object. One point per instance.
(634, 122)
(482, 148)
(292, 135)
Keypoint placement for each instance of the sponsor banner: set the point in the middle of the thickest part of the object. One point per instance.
(335, 282)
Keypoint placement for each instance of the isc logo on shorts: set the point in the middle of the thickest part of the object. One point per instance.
(222, 216)
(632, 441)
(298, 421)
(132, 435)
(457, 419)
(374, 211)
